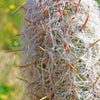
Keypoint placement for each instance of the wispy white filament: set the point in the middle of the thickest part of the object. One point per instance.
(61, 44)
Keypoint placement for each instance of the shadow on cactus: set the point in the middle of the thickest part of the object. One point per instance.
(61, 49)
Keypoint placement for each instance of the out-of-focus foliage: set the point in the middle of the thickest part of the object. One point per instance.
(10, 24)
(10, 86)
(4, 90)
(98, 2)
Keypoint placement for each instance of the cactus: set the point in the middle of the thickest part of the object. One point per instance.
(61, 49)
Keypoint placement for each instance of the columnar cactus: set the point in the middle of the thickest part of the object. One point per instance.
(61, 43)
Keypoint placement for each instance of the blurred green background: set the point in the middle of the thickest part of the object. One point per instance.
(10, 26)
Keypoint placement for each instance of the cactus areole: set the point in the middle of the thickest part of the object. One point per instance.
(61, 49)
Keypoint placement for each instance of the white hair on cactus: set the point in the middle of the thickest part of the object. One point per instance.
(61, 40)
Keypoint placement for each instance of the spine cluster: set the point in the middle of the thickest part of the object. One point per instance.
(61, 48)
